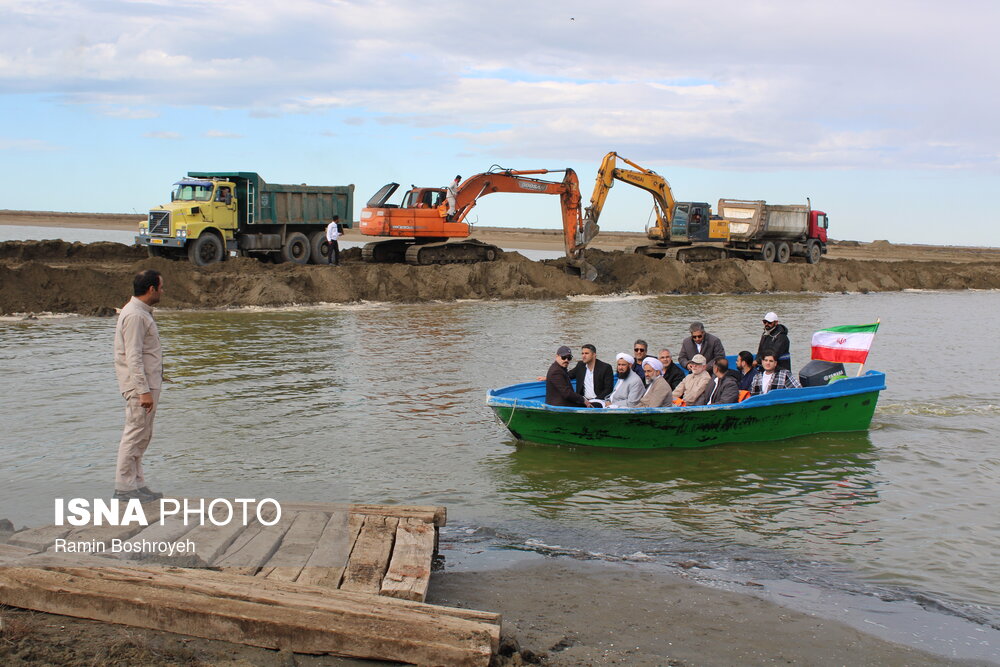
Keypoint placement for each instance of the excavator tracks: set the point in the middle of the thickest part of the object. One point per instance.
(686, 254)
(425, 254)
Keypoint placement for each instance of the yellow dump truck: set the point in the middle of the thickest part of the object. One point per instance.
(212, 215)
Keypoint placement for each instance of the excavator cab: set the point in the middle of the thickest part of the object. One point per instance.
(424, 198)
(693, 222)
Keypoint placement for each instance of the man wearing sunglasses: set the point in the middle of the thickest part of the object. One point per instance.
(558, 390)
(700, 342)
(640, 348)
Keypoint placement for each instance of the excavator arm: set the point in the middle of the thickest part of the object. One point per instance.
(576, 234)
(646, 179)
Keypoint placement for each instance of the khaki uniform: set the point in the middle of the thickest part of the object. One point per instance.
(139, 369)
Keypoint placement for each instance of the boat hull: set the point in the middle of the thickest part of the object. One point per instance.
(782, 414)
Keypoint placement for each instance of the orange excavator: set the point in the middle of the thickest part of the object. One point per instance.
(423, 225)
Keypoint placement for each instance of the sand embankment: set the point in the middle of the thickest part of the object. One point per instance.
(56, 276)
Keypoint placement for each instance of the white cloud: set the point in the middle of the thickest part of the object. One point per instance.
(221, 134)
(737, 85)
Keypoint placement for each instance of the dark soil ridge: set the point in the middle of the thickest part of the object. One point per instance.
(95, 278)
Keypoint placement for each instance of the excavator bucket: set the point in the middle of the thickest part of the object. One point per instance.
(582, 268)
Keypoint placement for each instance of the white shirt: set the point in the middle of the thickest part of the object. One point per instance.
(765, 381)
(588, 384)
(332, 233)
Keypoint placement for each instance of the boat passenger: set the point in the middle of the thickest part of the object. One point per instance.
(775, 338)
(722, 389)
(671, 371)
(639, 348)
(700, 342)
(629, 389)
(695, 384)
(594, 378)
(659, 392)
(748, 371)
(772, 377)
(558, 390)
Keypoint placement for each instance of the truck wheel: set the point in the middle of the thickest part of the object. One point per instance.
(768, 252)
(206, 249)
(814, 252)
(296, 248)
(784, 253)
(318, 248)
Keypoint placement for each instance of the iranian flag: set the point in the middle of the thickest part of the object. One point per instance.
(848, 344)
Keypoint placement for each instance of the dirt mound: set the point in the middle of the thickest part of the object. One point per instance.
(94, 279)
(54, 249)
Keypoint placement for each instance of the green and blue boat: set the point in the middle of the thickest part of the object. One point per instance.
(844, 405)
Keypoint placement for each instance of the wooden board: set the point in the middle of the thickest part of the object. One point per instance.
(428, 513)
(297, 546)
(235, 608)
(325, 566)
(409, 571)
(370, 556)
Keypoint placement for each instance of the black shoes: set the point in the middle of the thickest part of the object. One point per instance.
(146, 495)
(126, 495)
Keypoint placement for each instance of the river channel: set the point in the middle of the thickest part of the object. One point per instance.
(385, 403)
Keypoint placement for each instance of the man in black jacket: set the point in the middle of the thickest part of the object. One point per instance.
(593, 378)
(671, 372)
(558, 390)
(775, 338)
(700, 342)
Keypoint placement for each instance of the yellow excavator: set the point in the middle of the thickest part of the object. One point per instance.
(686, 231)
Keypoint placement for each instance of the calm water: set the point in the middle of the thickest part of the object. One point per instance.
(385, 403)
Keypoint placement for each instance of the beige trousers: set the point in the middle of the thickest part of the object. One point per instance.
(135, 439)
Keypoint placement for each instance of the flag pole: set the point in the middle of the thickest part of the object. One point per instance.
(861, 368)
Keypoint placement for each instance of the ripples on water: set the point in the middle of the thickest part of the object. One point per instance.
(386, 404)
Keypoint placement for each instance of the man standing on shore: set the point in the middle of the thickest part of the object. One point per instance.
(139, 369)
(333, 235)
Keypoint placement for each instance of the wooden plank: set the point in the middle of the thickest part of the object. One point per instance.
(297, 545)
(210, 541)
(365, 627)
(11, 554)
(105, 534)
(325, 566)
(171, 530)
(428, 513)
(409, 571)
(370, 556)
(39, 539)
(255, 545)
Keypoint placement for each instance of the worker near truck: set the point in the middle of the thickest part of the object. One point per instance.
(333, 234)
(139, 371)
(775, 338)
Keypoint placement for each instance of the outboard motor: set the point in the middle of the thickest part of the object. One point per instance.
(819, 373)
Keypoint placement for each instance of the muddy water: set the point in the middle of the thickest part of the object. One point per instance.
(386, 404)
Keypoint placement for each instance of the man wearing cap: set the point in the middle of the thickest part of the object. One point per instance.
(700, 342)
(594, 378)
(558, 390)
(695, 384)
(775, 338)
(658, 394)
(629, 388)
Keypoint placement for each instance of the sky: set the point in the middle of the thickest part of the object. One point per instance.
(882, 114)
